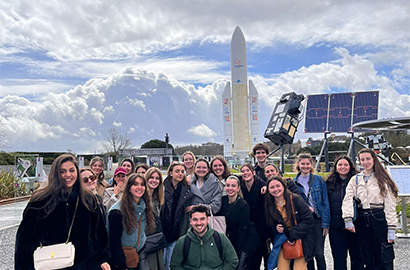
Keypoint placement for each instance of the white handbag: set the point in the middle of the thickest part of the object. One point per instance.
(56, 256)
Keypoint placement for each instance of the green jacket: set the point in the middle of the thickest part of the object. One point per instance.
(203, 254)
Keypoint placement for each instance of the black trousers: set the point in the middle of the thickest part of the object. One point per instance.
(371, 229)
(244, 260)
(143, 262)
(256, 258)
(341, 241)
(320, 245)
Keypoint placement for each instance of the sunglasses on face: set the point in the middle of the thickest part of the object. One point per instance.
(89, 178)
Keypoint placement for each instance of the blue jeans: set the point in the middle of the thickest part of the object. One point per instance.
(168, 253)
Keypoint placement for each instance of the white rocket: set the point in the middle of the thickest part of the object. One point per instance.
(240, 107)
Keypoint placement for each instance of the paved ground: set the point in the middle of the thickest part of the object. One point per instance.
(11, 215)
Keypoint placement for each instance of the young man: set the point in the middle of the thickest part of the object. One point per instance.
(203, 249)
(260, 152)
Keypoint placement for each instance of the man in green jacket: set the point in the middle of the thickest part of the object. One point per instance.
(203, 249)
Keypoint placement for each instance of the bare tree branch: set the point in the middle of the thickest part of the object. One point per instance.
(115, 141)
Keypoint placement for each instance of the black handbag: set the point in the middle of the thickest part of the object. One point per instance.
(156, 241)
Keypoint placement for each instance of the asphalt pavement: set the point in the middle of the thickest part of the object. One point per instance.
(10, 217)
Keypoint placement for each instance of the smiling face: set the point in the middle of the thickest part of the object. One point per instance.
(367, 162)
(97, 167)
(261, 155)
(68, 173)
(305, 166)
(276, 189)
(177, 174)
(231, 187)
(128, 167)
(137, 190)
(343, 168)
(153, 181)
(88, 180)
(201, 169)
(270, 171)
(199, 223)
(218, 168)
(188, 161)
(247, 174)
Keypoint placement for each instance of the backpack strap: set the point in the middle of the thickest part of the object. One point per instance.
(187, 245)
(185, 249)
(218, 243)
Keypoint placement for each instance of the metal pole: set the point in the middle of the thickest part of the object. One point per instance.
(353, 149)
(282, 159)
(326, 154)
(403, 214)
(320, 155)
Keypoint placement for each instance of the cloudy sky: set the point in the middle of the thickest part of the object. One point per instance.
(71, 70)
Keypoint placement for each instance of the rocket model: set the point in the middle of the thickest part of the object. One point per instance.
(240, 107)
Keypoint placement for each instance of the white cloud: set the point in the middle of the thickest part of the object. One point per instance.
(111, 31)
(116, 124)
(202, 131)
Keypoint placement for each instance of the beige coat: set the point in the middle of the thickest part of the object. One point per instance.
(369, 194)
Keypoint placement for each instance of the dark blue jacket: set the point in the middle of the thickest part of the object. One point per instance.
(318, 192)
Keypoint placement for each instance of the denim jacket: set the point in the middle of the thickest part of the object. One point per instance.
(318, 191)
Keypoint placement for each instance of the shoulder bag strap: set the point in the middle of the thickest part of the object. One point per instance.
(72, 221)
(139, 231)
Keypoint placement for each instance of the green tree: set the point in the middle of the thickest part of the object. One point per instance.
(155, 143)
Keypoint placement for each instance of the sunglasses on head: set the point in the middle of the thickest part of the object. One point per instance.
(89, 178)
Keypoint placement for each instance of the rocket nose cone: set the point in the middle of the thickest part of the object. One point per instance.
(237, 36)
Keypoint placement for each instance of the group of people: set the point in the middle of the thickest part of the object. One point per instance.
(262, 211)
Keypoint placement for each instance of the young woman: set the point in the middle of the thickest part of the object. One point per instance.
(272, 171)
(189, 160)
(239, 228)
(127, 222)
(313, 190)
(50, 212)
(280, 218)
(174, 218)
(97, 166)
(376, 220)
(89, 181)
(141, 168)
(205, 186)
(156, 191)
(219, 167)
(129, 166)
(341, 240)
(114, 193)
(251, 189)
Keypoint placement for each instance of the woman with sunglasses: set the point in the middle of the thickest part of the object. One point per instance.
(89, 181)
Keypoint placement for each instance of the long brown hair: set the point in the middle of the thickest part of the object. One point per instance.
(129, 218)
(159, 190)
(334, 176)
(98, 159)
(227, 172)
(382, 176)
(271, 210)
(171, 167)
(56, 190)
(129, 160)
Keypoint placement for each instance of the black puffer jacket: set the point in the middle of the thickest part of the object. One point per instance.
(304, 229)
(88, 234)
(175, 221)
(336, 196)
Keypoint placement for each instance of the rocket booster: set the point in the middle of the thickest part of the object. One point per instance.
(243, 128)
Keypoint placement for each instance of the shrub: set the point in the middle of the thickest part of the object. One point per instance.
(10, 185)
